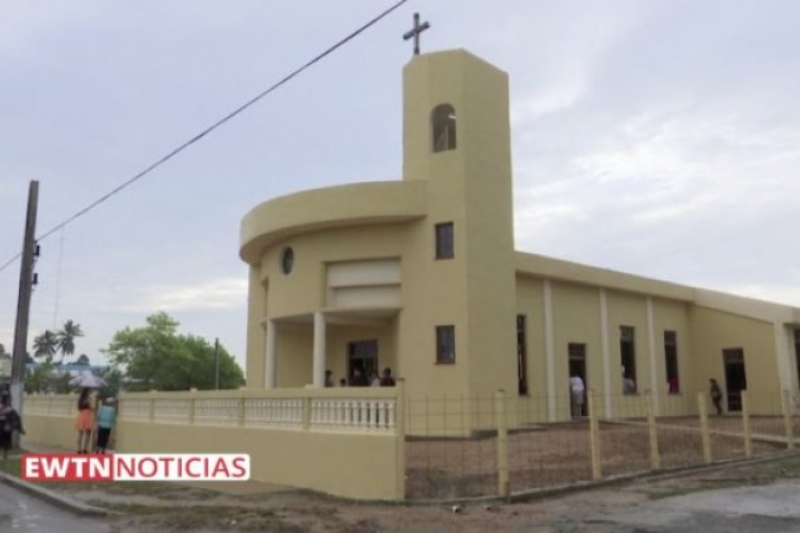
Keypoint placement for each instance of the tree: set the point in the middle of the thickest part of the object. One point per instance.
(83, 359)
(45, 345)
(66, 338)
(3, 350)
(157, 357)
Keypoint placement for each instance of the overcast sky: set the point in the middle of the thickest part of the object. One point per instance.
(660, 138)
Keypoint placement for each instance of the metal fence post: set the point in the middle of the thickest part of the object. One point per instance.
(786, 407)
(503, 487)
(704, 431)
(594, 437)
(748, 436)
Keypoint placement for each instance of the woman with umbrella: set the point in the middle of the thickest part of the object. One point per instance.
(84, 421)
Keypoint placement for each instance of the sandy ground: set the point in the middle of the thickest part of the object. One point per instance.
(699, 502)
(557, 455)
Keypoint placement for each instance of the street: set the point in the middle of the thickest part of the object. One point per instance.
(744, 510)
(22, 513)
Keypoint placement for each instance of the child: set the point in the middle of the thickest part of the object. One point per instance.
(106, 418)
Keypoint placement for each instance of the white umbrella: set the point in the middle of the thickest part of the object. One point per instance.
(87, 380)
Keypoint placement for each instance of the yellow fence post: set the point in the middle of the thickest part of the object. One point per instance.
(152, 405)
(400, 430)
(594, 437)
(192, 393)
(704, 430)
(655, 456)
(748, 436)
(786, 407)
(503, 488)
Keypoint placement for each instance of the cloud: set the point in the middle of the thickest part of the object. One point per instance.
(220, 294)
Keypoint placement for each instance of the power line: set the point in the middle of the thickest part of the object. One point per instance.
(214, 126)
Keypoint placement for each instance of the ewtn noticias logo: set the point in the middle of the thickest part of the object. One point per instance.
(135, 467)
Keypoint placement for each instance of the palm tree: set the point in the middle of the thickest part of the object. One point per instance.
(66, 338)
(45, 345)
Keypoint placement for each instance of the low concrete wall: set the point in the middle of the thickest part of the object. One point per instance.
(352, 466)
(344, 442)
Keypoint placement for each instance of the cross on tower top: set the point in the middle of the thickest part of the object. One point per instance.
(415, 32)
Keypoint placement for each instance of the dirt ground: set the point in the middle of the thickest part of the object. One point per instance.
(174, 508)
(561, 454)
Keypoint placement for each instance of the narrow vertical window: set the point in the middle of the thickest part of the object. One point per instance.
(522, 357)
(671, 359)
(445, 248)
(443, 123)
(445, 345)
(628, 359)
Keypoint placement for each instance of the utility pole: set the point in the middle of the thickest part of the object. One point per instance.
(24, 303)
(216, 360)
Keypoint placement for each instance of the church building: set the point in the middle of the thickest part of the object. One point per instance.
(420, 275)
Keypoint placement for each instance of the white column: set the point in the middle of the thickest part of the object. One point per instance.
(606, 351)
(319, 350)
(271, 355)
(651, 346)
(550, 351)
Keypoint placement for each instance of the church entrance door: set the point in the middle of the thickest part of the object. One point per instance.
(577, 367)
(362, 355)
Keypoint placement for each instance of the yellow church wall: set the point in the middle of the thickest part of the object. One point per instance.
(491, 277)
(628, 310)
(304, 289)
(256, 341)
(294, 354)
(672, 315)
(715, 331)
(530, 303)
(576, 319)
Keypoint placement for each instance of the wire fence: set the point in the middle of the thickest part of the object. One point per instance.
(463, 447)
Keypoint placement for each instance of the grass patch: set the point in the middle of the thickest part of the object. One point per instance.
(10, 466)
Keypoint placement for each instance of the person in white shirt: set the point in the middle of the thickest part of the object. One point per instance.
(578, 389)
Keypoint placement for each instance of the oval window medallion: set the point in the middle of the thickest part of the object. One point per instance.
(287, 260)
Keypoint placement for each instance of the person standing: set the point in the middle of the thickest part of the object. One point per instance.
(716, 396)
(577, 390)
(387, 380)
(84, 421)
(106, 418)
(10, 422)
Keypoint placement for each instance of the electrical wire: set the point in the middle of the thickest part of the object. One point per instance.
(213, 127)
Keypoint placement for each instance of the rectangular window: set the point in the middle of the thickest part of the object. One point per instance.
(445, 345)
(522, 356)
(445, 248)
(628, 359)
(671, 359)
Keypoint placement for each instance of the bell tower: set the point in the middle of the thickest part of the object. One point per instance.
(456, 137)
